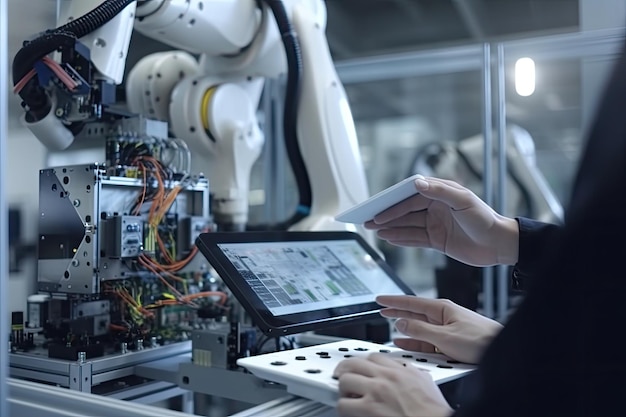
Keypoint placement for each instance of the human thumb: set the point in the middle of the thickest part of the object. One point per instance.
(421, 184)
(447, 192)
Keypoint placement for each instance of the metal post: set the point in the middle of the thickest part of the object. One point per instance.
(81, 376)
(4, 244)
(188, 402)
(502, 278)
(488, 308)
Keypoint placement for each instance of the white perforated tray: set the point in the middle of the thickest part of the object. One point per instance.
(308, 371)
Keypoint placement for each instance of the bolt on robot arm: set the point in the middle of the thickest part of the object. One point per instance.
(240, 44)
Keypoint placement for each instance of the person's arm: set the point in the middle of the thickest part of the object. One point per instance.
(450, 218)
(534, 238)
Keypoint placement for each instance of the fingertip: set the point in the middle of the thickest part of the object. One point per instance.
(421, 184)
(385, 312)
(377, 220)
(381, 299)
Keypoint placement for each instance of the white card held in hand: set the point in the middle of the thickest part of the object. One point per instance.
(380, 202)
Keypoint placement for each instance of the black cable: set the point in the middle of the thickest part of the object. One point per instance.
(36, 49)
(263, 340)
(290, 113)
(32, 94)
(526, 199)
(100, 15)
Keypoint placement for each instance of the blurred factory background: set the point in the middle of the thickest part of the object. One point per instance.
(358, 28)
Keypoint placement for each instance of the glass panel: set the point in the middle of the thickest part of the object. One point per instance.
(396, 118)
(411, 125)
(546, 125)
(552, 118)
(570, 74)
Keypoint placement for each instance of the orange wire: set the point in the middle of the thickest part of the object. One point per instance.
(163, 280)
(181, 264)
(159, 206)
(130, 300)
(160, 268)
(25, 79)
(63, 76)
(164, 251)
(145, 188)
(204, 294)
(157, 200)
(118, 327)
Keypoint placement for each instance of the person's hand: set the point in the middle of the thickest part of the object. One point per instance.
(381, 386)
(455, 331)
(452, 219)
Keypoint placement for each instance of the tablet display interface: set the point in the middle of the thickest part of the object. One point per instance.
(290, 281)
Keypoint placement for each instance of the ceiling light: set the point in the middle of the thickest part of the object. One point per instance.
(525, 76)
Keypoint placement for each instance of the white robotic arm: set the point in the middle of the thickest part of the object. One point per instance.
(214, 111)
(527, 191)
(326, 130)
(108, 45)
(239, 44)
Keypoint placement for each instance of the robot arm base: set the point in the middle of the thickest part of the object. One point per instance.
(230, 214)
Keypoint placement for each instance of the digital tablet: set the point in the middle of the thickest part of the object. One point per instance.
(290, 282)
(379, 202)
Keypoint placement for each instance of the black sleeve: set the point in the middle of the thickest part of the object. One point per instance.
(534, 238)
(561, 352)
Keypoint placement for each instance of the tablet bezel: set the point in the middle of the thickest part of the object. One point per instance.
(270, 324)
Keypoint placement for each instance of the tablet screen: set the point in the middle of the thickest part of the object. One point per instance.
(293, 280)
